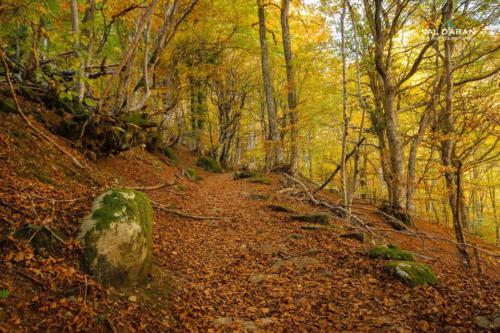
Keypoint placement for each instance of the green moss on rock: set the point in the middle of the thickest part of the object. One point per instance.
(319, 217)
(390, 252)
(117, 236)
(209, 164)
(411, 273)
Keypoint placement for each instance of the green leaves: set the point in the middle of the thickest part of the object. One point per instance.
(4, 293)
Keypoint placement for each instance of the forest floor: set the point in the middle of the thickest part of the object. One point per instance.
(251, 270)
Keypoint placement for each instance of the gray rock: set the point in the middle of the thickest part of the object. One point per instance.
(117, 238)
(482, 322)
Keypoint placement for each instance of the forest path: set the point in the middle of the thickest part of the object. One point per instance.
(255, 270)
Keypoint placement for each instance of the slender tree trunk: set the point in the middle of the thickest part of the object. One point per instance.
(292, 95)
(75, 25)
(448, 144)
(273, 153)
(345, 118)
(363, 106)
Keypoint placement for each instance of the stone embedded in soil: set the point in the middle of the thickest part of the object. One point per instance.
(281, 208)
(488, 323)
(354, 235)
(312, 227)
(319, 218)
(297, 236)
(390, 252)
(117, 238)
(411, 273)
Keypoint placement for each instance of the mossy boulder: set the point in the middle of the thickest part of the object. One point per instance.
(390, 252)
(319, 218)
(411, 273)
(209, 164)
(246, 174)
(260, 180)
(117, 238)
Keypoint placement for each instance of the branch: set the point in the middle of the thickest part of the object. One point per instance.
(478, 78)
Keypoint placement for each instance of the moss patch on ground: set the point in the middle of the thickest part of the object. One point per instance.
(170, 154)
(192, 174)
(391, 253)
(260, 180)
(411, 273)
(209, 164)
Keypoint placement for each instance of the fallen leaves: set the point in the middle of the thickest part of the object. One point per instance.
(216, 270)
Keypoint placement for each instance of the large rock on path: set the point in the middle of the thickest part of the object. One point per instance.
(117, 238)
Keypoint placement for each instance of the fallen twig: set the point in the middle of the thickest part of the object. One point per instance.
(25, 275)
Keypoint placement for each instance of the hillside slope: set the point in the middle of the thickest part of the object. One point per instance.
(251, 268)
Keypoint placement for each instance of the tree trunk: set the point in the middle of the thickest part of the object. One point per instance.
(273, 153)
(448, 145)
(292, 96)
(75, 25)
(345, 118)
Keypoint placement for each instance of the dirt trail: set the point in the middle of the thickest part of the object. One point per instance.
(254, 270)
